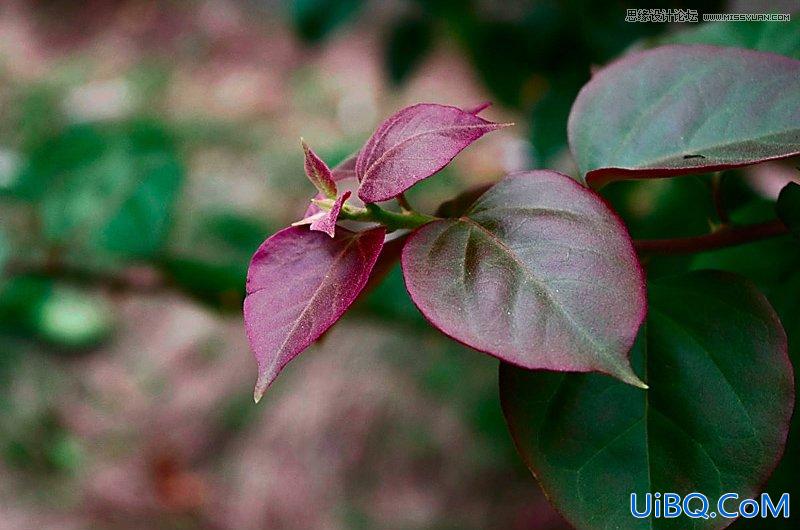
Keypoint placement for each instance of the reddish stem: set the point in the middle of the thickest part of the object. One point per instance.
(727, 236)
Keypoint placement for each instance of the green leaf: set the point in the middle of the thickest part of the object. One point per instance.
(714, 420)
(776, 37)
(789, 207)
(107, 189)
(775, 266)
(685, 109)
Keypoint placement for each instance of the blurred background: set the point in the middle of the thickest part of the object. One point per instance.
(146, 150)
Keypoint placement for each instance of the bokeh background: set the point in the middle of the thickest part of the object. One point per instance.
(147, 148)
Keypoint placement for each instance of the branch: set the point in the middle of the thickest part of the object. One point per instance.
(727, 236)
(372, 213)
(141, 279)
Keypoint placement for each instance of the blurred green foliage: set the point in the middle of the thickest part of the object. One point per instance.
(409, 41)
(315, 19)
(44, 445)
(533, 56)
(107, 189)
(5, 253)
(59, 314)
(213, 270)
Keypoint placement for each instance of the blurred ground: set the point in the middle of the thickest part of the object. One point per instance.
(149, 421)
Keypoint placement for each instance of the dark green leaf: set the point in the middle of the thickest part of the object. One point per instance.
(714, 420)
(775, 265)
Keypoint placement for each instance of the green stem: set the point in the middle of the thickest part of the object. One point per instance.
(372, 213)
(391, 220)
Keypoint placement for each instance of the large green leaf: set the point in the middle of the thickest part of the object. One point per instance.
(685, 109)
(775, 266)
(714, 420)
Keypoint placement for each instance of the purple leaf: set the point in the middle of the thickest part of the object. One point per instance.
(318, 172)
(346, 170)
(299, 284)
(676, 110)
(414, 144)
(327, 222)
(539, 272)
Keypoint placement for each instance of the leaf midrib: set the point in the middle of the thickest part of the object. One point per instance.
(414, 136)
(311, 299)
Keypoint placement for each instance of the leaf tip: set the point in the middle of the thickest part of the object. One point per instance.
(318, 172)
(263, 382)
(627, 375)
(258, 392)
(324, 227)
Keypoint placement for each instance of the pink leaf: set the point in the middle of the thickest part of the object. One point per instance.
(318, 172)
(299, 284)
(327, 223)
(344, 171)
(414, 144)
